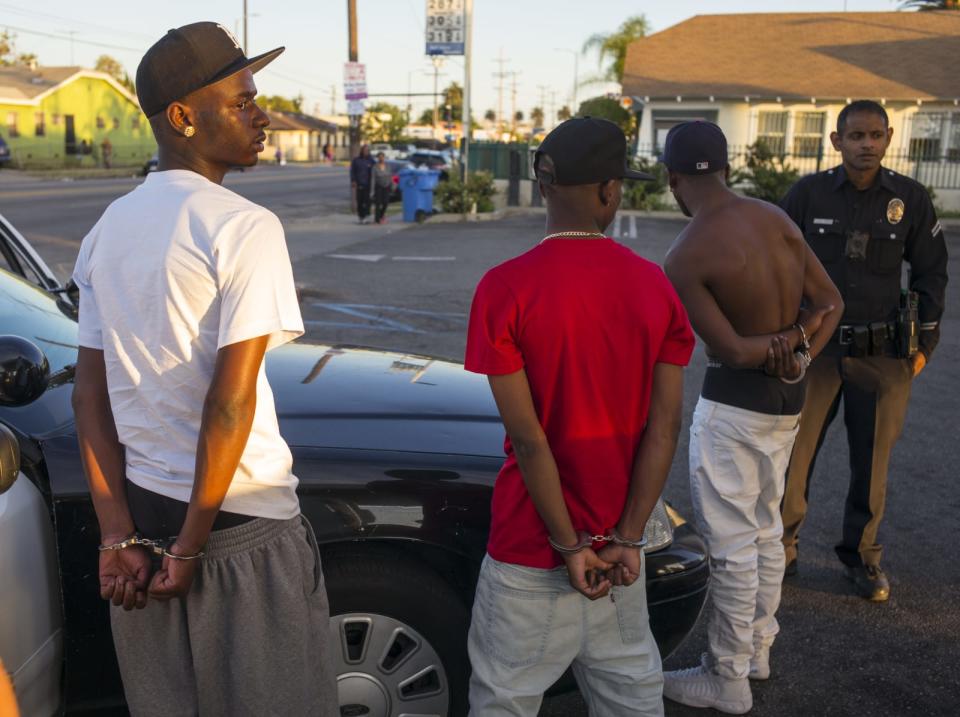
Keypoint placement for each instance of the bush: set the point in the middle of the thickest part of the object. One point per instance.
(767, 175)
(455, 198)
(648, 196)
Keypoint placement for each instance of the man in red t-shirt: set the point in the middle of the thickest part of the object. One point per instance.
(584, 343)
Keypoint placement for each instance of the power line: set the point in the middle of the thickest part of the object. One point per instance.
(59, 18)
(67, 38)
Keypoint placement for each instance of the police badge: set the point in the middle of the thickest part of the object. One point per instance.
(895, 211)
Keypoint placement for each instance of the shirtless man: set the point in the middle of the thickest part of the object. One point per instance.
(742, 269)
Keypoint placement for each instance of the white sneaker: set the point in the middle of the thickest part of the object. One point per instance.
(760, 663)
(700, 687)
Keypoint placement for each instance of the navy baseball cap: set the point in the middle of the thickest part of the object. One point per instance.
(190, 58)
(697, 147)
(584, 150)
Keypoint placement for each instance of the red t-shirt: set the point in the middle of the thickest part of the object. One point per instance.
(587, 319)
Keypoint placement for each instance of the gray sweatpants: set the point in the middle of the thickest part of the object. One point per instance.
(251, 637)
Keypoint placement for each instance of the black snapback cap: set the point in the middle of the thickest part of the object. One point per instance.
(190, 58)
(697, 147)
(584, 150)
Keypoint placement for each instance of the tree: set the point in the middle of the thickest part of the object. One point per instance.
(8, 52)
(613, 46)
(536, 116)
(453, 96)
(281, 104)
(384, 122)
(767, 174)
(605, 108)
(932, 4)
(490, 116)
(112, 67)
(564, 113)
(518, 116)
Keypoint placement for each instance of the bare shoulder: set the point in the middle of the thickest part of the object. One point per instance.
(682, 252)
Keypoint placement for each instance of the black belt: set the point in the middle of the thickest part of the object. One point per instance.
(874, 339)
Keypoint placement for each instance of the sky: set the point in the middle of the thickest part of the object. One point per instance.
(539, 40)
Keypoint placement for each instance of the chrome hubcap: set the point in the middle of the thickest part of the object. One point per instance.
(385, 668)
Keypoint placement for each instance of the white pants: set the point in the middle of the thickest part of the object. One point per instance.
(738, 459)
(529, 626)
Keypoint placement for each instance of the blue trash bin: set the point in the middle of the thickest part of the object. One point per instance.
(416, 188)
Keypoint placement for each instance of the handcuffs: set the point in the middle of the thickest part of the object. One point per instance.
(802, 354)
(157, 547)
(587, 540)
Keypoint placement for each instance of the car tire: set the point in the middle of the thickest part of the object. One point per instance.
(399, 596)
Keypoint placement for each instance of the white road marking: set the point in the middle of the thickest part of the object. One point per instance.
(633, 226)
(424, 258)
(617, 225)
(358, 257)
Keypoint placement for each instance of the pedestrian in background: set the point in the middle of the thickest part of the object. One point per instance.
(863, 221)
(741, 268)
(361, 178)
(184, 286)
(584, 344)
(382, 187)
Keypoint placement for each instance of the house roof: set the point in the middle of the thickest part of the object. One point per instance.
(296, 122)
(891, 55)
(27, 86)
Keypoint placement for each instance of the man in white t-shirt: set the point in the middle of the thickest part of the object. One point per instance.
(184, 286)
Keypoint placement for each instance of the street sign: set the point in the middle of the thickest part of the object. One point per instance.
(354, 81)
(446, 27)
(356, 107)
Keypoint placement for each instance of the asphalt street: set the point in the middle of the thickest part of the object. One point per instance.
(409, 289)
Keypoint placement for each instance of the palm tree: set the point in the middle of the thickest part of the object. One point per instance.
(613, 46)
(932, 4)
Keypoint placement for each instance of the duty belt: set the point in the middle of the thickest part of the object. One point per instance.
(874, 339)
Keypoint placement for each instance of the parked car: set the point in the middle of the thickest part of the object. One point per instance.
(395, 166)
(432, 159)
(396, 456)
(5, 155)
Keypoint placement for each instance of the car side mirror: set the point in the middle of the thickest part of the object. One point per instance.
(24, 371)
(9, 458)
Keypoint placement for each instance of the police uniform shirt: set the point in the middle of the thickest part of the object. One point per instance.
(862, 237)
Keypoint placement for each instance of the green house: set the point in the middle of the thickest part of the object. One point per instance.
(71, 117)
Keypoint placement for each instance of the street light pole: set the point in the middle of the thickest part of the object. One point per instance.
(437, 64)
(576, 73)
(246, 47)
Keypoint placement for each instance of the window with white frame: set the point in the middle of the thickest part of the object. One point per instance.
(772, 131)
(808, 133)
(926, 135)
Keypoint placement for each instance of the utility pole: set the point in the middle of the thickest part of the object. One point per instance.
(543, 103)
(513, 102)
(553, 108)
(246, 47)
(352, 29)
(333, 99)
(437, 64)
(465, 121)
(501, 75)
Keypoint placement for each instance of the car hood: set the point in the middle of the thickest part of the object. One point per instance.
(343, 397)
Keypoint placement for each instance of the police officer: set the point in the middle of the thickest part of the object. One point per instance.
(863, 220)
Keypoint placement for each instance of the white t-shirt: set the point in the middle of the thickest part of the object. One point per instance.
(172, 272)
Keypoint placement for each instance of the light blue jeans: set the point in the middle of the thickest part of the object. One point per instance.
(529, 626)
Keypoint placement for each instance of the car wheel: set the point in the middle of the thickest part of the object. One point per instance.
(400, 636)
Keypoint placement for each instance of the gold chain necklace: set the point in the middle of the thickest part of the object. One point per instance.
(574, 235)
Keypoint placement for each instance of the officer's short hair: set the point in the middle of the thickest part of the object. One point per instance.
(868, 106)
